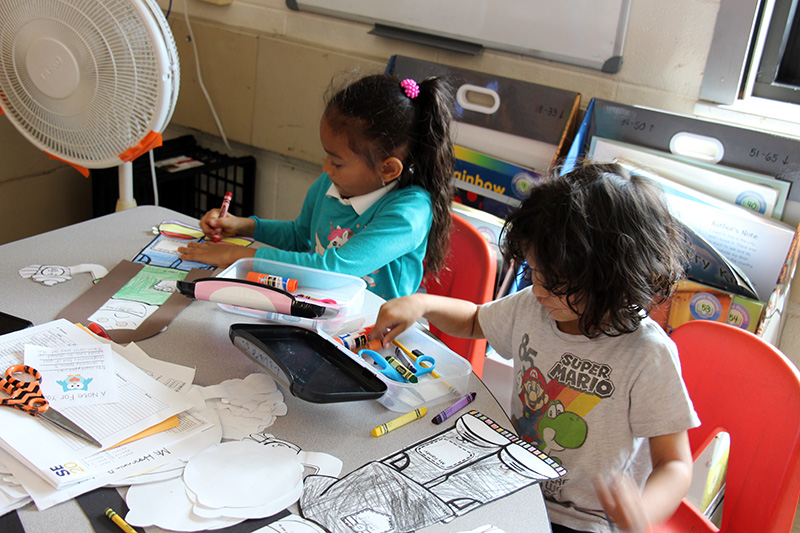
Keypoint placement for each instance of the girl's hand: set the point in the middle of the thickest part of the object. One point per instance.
(622, 501)
(396, 316)
(215, 254)
(228, 226)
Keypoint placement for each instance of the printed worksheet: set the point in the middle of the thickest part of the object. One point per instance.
(56, 455)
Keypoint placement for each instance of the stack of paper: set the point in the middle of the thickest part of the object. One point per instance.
(52, 465)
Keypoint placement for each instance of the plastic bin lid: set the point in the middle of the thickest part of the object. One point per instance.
(306, 364)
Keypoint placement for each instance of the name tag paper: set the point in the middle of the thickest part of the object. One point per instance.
(74, 375)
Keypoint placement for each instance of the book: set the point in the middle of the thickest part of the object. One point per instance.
(756, 244)
(757, 192)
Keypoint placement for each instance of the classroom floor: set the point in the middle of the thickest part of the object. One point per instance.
(498, 375)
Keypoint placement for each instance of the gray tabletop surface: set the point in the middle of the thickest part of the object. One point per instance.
(198, 337)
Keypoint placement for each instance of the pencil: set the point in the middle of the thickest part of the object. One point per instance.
(413, 357)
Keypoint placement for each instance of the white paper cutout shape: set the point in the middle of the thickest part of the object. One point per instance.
(243, 474)
(53, 274)
(165, 504)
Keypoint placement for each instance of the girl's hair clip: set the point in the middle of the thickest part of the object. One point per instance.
(410, 87)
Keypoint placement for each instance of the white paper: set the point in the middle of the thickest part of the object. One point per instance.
(194, 434)
(58, 456)
(176, 377)
(74, 375)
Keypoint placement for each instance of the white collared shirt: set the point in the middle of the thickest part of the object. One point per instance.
(363, 202)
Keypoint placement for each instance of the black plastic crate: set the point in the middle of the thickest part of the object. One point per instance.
(190, 190)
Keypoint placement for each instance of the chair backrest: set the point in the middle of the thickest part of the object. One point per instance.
(470, 273)
(742, 385)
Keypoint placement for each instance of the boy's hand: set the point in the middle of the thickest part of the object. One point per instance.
(396, 316)
(215, 254)
(622, 501)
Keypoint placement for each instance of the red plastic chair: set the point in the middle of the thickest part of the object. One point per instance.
(469, 274)
(744, 386)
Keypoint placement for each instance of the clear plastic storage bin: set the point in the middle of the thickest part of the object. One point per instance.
(346, 290)
(454, 372)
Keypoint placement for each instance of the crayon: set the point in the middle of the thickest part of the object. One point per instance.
(117, 519)
(402, 370)
(399, 421)
(413, 354)
(401, 356)
(287, 284)
(223, 211)
(456, 406)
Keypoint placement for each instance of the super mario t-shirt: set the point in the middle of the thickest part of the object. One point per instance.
(591, 404)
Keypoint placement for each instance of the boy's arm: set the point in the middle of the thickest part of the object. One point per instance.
(458, 318)
(667, 484)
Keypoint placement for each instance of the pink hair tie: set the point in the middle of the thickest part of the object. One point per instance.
(410, 87)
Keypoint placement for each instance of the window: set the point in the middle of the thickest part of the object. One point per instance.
(752, 76)
(776, 73)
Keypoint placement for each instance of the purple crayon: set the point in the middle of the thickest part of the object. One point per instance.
(457, 406)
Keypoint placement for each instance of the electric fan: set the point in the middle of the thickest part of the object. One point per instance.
(92, 83)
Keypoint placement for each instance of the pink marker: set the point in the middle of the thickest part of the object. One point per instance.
(226, 203)
(252, 295)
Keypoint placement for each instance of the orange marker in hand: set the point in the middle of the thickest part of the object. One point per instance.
(226, 202)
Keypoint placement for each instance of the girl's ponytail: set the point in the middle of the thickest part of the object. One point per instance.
(431, 155)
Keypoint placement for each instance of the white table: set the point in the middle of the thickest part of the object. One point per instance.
(198, 337)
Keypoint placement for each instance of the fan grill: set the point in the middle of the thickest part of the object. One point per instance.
(84, 79)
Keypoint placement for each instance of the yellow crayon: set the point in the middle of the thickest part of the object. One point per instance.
(117, 519)
(399, 421)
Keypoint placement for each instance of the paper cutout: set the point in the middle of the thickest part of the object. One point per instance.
(438, 479)
(253, 478)
(244, 406)
(99, 295)
(228, 480)
(165, 504)
(73, 376)
(12, 494)
(53, 274)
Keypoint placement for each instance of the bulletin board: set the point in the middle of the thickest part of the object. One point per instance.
(588, 33)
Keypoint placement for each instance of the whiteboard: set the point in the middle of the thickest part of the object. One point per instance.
(588, 33)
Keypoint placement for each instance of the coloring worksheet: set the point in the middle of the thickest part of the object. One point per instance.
(445, 476)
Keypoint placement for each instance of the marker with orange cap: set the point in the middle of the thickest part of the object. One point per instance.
(287, 284)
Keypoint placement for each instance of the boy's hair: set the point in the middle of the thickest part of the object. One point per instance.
(605, 239)
(380, 121)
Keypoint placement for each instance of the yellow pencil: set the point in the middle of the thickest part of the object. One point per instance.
(412, 356)
(399, 421)
(117, 519)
